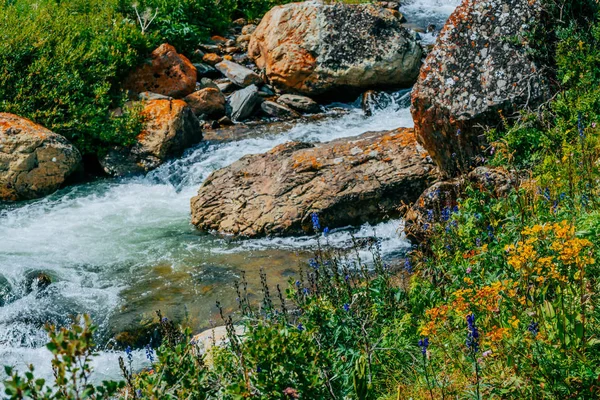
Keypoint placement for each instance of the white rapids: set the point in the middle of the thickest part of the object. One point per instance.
(117, 249)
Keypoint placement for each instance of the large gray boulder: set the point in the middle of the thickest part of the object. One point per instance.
(347, 182)
(319, 49)
(481, 69)
(34, 161)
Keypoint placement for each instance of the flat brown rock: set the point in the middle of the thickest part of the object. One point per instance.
(347, 182)
(34, 161)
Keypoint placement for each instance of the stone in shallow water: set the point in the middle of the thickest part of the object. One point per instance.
(275, 193)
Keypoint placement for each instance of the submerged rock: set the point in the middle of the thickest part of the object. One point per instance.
(170, 128)
(36, 281)
(348, 182)
(34, 161)
(373, 101)
(474, 76)
(316, 49)
(167, 72)
(6, 291)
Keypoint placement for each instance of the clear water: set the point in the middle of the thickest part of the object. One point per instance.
(121, 249)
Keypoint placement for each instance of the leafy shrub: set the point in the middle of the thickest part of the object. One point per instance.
(72, 349)
(63, 65)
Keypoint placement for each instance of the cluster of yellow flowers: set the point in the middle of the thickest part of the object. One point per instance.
(436, 316)
(535, 260)
(479, 299)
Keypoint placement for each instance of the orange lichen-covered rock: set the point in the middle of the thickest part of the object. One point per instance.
(316, 49)
(208, 101)
(212, 58)
(166, 72)
(348, 182)
(480, 70)
(34, 161)
(170, 128)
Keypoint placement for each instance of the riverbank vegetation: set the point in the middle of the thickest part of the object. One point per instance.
(62, 63)
(501, 300)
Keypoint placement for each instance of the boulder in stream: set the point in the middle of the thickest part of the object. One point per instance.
(334, 50)
(34, 161)
(170, 128)
(475, 76)
(347, 182)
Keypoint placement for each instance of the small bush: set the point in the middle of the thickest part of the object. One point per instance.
(63, 65)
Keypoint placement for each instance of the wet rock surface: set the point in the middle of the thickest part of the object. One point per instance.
(166, 72)
(348, 182)
(306, 48)
(170, 128)
(479, 70)
(34, 161)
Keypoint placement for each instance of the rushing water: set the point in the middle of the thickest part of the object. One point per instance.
(121, 249)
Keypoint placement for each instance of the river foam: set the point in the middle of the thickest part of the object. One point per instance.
(119, 247)
(96, 239)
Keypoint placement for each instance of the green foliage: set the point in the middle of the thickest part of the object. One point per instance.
(72, 349)
(522, 267)
(62, 68)
(64, 64)
(178, 372)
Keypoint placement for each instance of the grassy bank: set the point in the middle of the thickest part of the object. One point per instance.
(62, 62)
